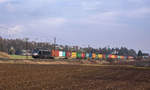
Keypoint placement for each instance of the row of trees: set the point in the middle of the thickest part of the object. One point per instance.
(17, 45)
(12, 46)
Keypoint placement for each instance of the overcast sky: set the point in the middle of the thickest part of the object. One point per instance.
(97, 23)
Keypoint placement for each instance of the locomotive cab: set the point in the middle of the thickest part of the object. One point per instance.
(42, 54)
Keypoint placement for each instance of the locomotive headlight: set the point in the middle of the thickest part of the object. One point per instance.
(35, 54)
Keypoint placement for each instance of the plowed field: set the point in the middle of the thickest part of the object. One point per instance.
(72, 77)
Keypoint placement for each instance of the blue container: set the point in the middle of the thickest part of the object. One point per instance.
(90, 55)
(125, 57)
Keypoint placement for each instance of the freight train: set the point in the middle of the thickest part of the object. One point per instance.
(51, 54)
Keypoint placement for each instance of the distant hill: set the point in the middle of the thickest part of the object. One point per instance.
(4, 55)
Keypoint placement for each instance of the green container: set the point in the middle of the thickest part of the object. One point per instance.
(119, 57)
(107, 56)
(78, 55)
(96, 56)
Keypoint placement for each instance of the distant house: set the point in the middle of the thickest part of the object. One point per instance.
(145, 55)
(26, 52)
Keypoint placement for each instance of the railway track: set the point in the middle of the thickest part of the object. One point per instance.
(7, 59)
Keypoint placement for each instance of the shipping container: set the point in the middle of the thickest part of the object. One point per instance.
(55, 53)
(78, 55)
(74, 55)
(60, 53)
(90, 55)
(87, 55)
(68, 54)
(113, 56)
(96, 57)
(83, 55)
(116, 56)
(126, 57)
(130, 57)
(64, 54)
(100, 56)
(107, 56)
(119, 57)
(104, 56)
(93, 55)
(110, 56)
